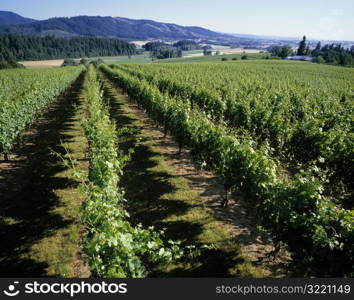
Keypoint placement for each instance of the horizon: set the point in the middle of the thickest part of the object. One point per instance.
(328, 22)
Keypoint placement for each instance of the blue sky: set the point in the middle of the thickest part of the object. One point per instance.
(332, 20)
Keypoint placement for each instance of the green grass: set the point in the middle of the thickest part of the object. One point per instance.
(158, 196)
(42, 228)
(60, 250)
(145, 58)
(142, 58)
(139, 59)
(191, 52)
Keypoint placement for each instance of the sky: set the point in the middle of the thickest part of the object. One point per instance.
(317, 19)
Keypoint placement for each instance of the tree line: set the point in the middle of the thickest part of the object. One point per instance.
(10, 65)
(333, 54)
(161, 50)
(24, 47)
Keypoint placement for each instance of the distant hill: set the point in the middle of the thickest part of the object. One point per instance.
(111, 27)
(10, 18)
(130, 30)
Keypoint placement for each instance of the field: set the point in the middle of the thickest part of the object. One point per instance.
(198, 58)
(222, 50)
(238, 51)
(143, 58)
(42, 63)
(188, 56)
(195, 167)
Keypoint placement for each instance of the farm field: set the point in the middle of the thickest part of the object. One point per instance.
(252, 125)
(223, 51)
(40, 202)
(42, 63)
(188, 56)
(198, 168)
(238, 51)
(199, 58)
(143, 58)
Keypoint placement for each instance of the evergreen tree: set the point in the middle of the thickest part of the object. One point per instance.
(302, 47)
(333, 54)
(15, 47)
(307, 51)
(318, 46)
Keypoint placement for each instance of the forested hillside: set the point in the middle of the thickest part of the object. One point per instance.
(121, 28)
(15, 47)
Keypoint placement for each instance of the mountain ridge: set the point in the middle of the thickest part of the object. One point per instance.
(130, 30)
(11, 18)
(113, 27)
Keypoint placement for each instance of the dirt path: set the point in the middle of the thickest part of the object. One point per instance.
(257, 246)
(39, 202)
(236, 219)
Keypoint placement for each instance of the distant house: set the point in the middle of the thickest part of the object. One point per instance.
(298, 57)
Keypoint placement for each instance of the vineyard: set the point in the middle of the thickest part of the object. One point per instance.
(277, 136)
(23, 94)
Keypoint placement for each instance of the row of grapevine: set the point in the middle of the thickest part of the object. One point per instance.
(303, 126)
(114, 248)
(319, 233)
(24, 94)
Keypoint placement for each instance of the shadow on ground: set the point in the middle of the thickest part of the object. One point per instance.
(28, 182)
(147, 186)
